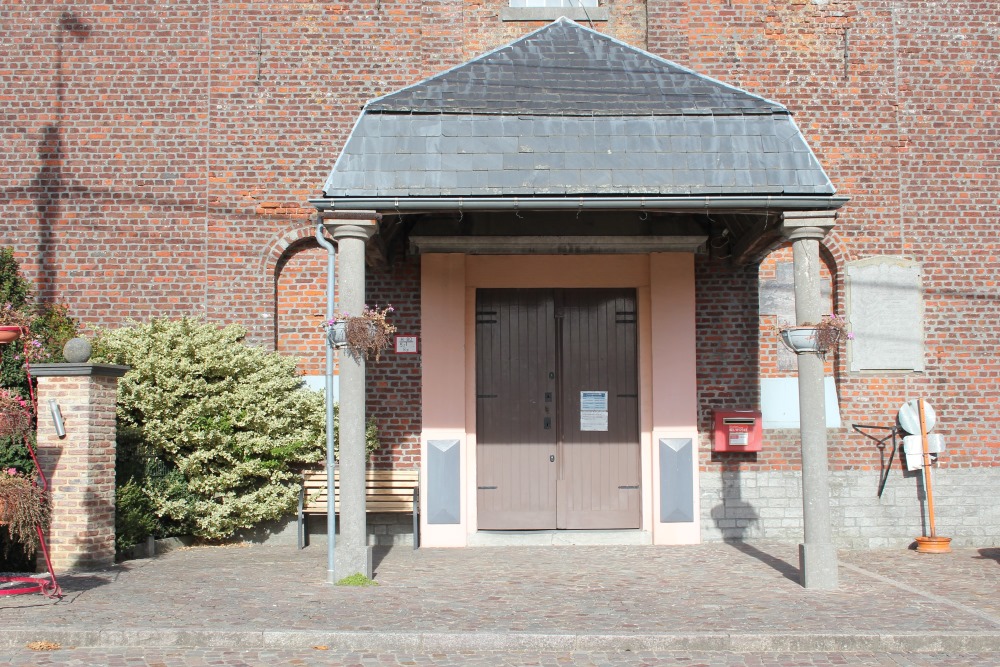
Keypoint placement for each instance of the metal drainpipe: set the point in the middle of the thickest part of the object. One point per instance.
(331, 514)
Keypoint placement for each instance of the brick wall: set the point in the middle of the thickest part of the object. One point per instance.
(394, 382)
(159, 155)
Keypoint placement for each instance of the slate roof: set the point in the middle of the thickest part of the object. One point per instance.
(566, 110)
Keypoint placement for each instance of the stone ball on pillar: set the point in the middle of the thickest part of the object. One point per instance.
(77, 350)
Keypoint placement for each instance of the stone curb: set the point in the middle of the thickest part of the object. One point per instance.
(958, 642)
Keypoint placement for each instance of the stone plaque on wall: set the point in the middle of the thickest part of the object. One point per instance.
(886, 312)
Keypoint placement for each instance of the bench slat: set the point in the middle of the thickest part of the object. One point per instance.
(385, 491)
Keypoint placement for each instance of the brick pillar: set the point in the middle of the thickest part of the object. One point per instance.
(80, 466)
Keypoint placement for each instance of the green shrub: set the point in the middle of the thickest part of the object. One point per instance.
(14, 288)
(232, 422)
(135, 516)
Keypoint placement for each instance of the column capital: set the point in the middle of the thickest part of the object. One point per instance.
(797, 225)
(350, 229)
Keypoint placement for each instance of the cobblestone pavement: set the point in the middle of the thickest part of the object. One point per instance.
(555, 600)
(228, 658)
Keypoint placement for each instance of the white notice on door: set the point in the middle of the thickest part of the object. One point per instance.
(594, 401)
(593, 411)
(593, 420)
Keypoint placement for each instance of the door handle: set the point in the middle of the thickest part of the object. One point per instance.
(552, 458)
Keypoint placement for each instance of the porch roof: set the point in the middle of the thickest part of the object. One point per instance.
(568, 117)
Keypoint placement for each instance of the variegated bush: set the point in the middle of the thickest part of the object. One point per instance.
(233, 420)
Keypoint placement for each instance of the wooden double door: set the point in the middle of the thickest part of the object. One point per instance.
(557, 409)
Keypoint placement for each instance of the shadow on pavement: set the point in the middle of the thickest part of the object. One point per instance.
(992, 553)
(787, 570)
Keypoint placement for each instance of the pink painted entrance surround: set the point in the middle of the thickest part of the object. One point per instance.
(664, 284)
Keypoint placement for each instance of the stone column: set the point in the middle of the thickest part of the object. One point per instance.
(353, 553)
(80, 466)
(817, 555)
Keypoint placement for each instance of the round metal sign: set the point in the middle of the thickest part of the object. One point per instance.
(909, 416)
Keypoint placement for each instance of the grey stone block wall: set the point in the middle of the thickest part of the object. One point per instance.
(384, 530)
(390, 529)
(767, 505)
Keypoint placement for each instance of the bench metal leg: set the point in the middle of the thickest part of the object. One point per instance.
(302, 521)
(303, 530)
(416, 518)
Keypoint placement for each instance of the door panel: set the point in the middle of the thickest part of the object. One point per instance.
(599, 482)
(538, 467)
(516, 434)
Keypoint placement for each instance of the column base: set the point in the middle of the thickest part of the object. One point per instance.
(818, 566)
(352, 560)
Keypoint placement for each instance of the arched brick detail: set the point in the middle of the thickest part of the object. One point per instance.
(280, 243)
(295, 266)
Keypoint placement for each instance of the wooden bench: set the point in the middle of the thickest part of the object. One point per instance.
(385, 491)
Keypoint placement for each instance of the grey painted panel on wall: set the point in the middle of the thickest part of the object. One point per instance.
(676, 480)
(443, 492)
(779, 402)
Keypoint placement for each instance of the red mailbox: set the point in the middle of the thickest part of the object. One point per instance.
(737, 431)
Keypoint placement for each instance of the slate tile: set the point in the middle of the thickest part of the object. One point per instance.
(685, 144)
(615, 161)
(518, 161)
(689, 179)
(638, 144)
(505, 179)
(432, 162)
(657, 179)
(497, 144)
(700, 161)
(488, 162)
(550, 160)
(579, 160)
(425, 126)
(564, 178)
(599, 178)
(729, 126)
(449, 145)
(710, 144)
(801, 161)
(432, 181)
(741, 180)
(740, 161)
(660, 144)
(371, 162)
(771, 144)
(462, 162)
(720, 179)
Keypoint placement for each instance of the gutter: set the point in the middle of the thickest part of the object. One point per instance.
(398, 205)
